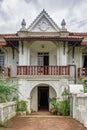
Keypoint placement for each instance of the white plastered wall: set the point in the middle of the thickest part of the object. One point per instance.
(62, 54)
(48, 47)
(34, 99)
(28, 90)
(30, 53)
(11, 61)
(77, 57)
(24, 54)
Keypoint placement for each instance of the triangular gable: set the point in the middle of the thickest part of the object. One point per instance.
(43, 23)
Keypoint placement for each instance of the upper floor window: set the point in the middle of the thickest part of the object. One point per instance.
(43, 59)
(84, 60)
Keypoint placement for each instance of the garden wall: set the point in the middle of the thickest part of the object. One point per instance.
(79, 107)
(7, 110)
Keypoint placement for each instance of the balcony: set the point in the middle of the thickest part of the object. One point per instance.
(82, 72)
(43, 70)
(4, 72)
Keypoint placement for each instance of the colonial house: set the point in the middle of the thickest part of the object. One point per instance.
(44, 59)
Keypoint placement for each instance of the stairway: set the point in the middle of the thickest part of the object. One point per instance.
(42, 113)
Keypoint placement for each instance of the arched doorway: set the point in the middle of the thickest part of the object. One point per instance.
(39, 97)
(43, 96)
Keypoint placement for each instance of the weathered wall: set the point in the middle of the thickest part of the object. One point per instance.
(11, 60)
(27, 87)
(7, 110)
(80, 108)
(34, 99)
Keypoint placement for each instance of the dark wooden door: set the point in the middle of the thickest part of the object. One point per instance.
(46, 65)
(43, 95)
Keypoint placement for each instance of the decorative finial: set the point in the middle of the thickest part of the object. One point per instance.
(23, 24)
(43, 10)
(63, 24)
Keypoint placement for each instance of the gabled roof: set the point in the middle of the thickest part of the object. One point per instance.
(82, 34)
(2, 38)
(46, 17)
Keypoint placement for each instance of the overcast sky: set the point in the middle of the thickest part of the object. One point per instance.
(13, 11)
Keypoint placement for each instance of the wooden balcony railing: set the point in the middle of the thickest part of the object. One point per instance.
(82, 72)
(4, 72)
(43, 70)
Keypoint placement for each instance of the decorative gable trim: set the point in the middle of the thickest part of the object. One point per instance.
(45, 14)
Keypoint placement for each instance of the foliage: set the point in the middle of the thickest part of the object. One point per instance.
(3, 124)
(21, 106)
(64, 107)
(2, 98)
(61, 107)
(7, 90)
(55, 104)
(66, 92)
(85, 84)
(27, 112)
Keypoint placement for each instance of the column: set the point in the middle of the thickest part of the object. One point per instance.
(58, 55)
(28, 105)
(28, 56)
(64, 53)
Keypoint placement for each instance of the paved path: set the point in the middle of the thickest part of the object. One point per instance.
(43, 123)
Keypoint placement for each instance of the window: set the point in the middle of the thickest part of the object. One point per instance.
(43, 59)
(84, 60)
(40, 59)
(43, 63)
(1, 59)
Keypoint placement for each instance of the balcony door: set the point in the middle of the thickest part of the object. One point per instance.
(43, 61)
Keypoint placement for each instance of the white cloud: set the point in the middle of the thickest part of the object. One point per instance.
(13, 11)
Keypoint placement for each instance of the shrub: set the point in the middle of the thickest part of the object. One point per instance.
(61, 107)
(64, 107)
(55, 104)
(21, 106)
(7, 90)
(2, 98)
(3, 124)
(85, 84)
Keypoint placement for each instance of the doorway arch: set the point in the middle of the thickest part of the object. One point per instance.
(40, 95)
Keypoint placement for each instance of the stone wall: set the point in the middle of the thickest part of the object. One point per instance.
(7, 110)
(79, 107)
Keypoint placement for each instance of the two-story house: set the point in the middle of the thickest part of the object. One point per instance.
(43, 59)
